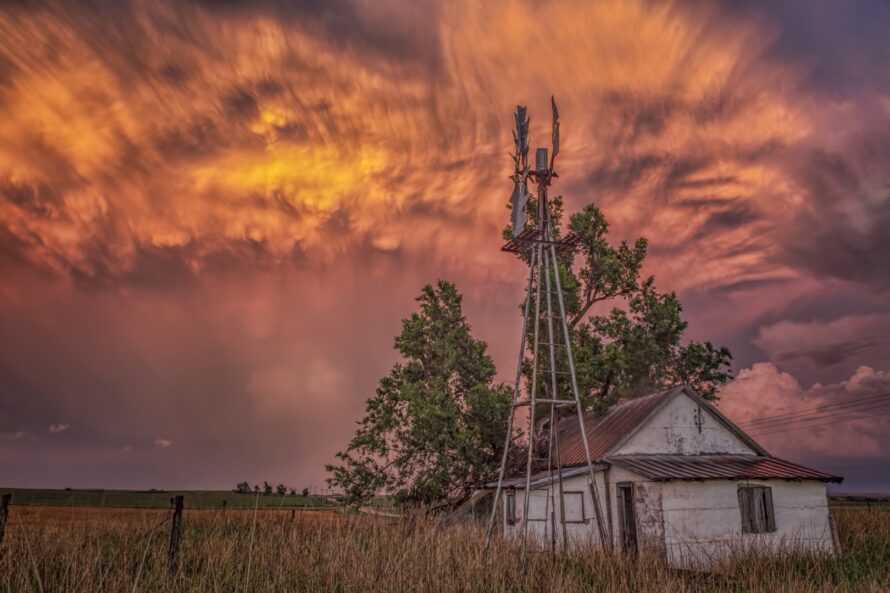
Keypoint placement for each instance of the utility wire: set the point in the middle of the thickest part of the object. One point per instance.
(793, 428)
(821, 408)
(818, 410)
(831, 414)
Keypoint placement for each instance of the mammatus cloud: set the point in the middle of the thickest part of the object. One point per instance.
(212, 217)
(246, 138)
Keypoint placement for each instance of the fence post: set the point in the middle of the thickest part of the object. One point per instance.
(4, 513)
(172, 556)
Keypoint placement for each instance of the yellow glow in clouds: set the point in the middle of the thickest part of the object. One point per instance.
(316, 177)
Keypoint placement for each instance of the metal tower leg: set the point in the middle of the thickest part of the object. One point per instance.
(594, 490)
(554, 395)
(531, 413)
(533, 264)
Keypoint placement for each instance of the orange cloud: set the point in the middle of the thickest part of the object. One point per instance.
(262, 189)
(249, 128)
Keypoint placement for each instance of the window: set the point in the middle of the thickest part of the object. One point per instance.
(574, 512)
(539, 505)
(756, 505)
(510, 502)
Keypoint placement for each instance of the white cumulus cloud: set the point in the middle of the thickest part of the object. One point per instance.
(849, 417)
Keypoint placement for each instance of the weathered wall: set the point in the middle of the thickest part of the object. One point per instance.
(581, 507)
(647, 507)
(702, 520)
(690, 523)
(672, 430)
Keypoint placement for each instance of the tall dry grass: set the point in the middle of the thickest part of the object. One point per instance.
(324, 552)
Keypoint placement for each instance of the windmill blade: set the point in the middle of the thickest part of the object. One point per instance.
(518, 201)
(522, 122)
(519, 198)
(555, 135)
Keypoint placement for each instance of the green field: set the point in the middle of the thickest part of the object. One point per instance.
(160, 499)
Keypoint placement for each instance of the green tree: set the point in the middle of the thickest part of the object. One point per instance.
(637, 346)
(435, 427)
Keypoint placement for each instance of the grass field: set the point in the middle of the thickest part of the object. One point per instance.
(160, 499)
(113, 549)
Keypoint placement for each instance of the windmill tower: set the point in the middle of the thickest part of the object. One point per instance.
(542, 247)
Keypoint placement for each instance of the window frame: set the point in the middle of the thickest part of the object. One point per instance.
(751, 498)
(546, 497)
(583, 508)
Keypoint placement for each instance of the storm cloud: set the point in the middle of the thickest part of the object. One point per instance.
(214, 214)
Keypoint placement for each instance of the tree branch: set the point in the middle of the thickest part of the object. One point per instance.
(577, 318)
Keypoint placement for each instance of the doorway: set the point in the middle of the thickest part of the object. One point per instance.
(627, 520)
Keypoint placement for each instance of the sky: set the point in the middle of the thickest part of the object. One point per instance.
(214, 215)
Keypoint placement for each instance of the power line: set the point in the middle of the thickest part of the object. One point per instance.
(817, 410)
(762, 434)
(845, 403)
(833, 413)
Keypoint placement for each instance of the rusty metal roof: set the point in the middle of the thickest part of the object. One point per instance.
(604, 434)
(710, 467)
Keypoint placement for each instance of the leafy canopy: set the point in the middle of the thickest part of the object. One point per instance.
(636, 347)
(435, 426)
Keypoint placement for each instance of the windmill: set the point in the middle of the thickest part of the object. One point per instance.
(542, 246)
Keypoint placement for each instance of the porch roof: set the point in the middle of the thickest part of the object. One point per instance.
(709, 467)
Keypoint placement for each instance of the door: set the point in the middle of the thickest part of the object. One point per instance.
(627, 520)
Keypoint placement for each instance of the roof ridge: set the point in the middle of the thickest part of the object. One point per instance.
(652, 395)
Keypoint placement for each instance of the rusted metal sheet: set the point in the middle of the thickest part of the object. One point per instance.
(531, 237)
(711, 467)
(605, 434)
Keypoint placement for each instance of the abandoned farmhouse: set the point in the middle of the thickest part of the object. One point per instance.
(675, 478)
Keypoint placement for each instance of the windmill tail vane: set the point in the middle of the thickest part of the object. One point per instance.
(540, 353)
(519, 199)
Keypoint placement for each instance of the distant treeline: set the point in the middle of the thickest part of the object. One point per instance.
(267, 490)
(160, 499)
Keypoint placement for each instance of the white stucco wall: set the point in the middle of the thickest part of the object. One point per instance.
(702, 520)
(647, 507)
(672, 431)
(539, 527)
(688, 523)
